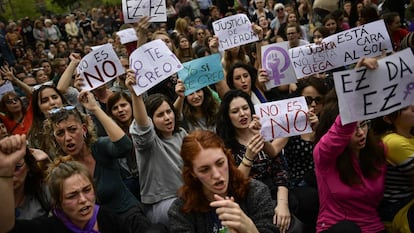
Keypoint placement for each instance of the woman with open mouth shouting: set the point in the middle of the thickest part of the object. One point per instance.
(73, 133)
(216, 196)
(157, 139)
(72, 190)
(350, 173)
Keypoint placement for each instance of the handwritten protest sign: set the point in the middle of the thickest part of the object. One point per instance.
(276, 62)
(366, 94)
(201, 72)
(127, 35)
(152, 63)
(283, 118)
(135, 9)
(7, 86)
(99, 67)
(233, 31)
(341, 49)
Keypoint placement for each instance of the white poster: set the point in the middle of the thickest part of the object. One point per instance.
(234, 31)
(283, 118)
(343, 48)
(99, 67)
(365, 94)
(152, 63)
(135, 9)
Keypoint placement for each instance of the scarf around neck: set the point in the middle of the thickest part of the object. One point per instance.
(72, 227)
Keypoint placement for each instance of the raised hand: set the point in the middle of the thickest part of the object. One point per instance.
(180, 88)
(87, 99)
(12, 150)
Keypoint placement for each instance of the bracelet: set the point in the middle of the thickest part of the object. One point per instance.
(248, 159)
(245, 164)
(7, 177)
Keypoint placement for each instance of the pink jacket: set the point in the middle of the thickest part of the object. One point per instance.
(339, 201)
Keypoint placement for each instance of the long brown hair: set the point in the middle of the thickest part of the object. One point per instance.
(191, 192)
(371, 156)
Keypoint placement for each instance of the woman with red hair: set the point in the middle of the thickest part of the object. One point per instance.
(216, 196)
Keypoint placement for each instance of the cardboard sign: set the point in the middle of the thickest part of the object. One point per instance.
(366, 94)
(201, 72)
(127, 35)
(6, 87)
(99, 67)
(283, 118)
(152, 63)
(135, 9)
(344, 48)
(234, 31)
(276, 62)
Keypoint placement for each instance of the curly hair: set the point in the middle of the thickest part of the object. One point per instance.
(61, 115)
(37, 135)
(191, 192)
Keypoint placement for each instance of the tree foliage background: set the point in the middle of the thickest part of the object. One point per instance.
(18, 9)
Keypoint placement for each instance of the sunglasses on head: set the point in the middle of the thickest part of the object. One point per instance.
(310, 99)
(64, 108)
(12, 101)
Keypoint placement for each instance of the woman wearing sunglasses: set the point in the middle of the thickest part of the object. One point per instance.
(297, 153)
(74, 135)
(17, 118)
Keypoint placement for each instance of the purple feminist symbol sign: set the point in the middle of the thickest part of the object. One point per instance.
(276, 61)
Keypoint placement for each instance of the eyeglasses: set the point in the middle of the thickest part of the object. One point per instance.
(19, 166)
(12, 101)
(64, 108)
(280, 9)
(310, 99)
(363, 125)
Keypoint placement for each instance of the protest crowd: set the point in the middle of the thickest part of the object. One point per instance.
(186, 125)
